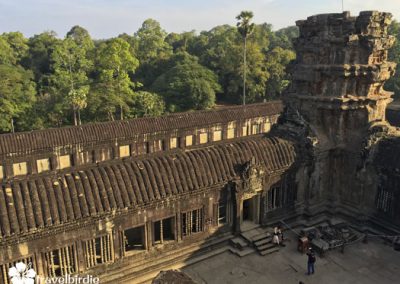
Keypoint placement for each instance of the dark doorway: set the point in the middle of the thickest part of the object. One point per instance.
(247, 208)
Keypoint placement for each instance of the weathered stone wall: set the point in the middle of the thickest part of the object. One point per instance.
(335, 107)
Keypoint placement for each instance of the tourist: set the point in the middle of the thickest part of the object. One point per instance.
(275, 238)
(311, 261)
(280, 234)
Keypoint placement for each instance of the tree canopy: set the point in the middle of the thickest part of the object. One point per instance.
(187, 84)
(48, 81)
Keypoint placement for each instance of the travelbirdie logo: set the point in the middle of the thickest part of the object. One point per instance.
(22, 274)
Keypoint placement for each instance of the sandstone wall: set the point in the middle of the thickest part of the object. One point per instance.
(335, 108)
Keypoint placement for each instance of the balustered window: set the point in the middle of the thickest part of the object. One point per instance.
(164, 230)
(61, 262)
(384, 200)
(192, 222)
(99, 250)
(4, 268)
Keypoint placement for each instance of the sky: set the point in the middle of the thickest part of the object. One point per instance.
(109, 18)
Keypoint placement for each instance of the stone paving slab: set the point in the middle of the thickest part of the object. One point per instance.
(359, 264)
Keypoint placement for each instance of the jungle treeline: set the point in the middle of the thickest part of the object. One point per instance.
(51, 81)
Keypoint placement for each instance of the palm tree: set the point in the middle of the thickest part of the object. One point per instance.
(245, 28)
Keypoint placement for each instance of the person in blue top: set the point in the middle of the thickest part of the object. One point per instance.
(311, 261)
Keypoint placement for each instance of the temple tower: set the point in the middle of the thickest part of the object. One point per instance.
(337, 96)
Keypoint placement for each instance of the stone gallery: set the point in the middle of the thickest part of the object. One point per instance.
(122, 198)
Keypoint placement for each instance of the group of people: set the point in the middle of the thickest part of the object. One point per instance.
(278, 236)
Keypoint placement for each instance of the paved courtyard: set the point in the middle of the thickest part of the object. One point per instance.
(374, 262)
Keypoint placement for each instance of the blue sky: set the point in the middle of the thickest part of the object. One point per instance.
(107, 18)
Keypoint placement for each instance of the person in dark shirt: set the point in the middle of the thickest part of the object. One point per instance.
(311, 261)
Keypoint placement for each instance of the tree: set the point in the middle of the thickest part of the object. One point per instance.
(180, 71)
(17, 95)
(81, 37)
(180, 42)
(6, 52)
(220, 50)
(245, 28)
(113, 88)
(18, 44)
(151, 50)
(70, 78)
(39, 58)
(148, 104)
(151, 42)
(187, 85)
(284, 37)
(276, 61)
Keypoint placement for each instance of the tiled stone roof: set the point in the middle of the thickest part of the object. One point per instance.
(39, 202)
(124, 129)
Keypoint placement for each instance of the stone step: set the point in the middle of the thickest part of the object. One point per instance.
(260, 237)
(147, 266)
(239, 243)
(269, 251)
(147, 278)
(242, 253)
(266, 246)
(248, 235)
(263, 241)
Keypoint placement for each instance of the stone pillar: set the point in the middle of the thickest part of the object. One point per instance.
(81, 260)
(178, 226)
(238, 206)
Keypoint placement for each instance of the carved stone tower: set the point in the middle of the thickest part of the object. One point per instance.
(337, 94)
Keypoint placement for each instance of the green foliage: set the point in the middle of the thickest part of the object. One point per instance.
(151, 42)
(69, 82)
(152, 50)
(245, 28)
(180, 42)
(17, 95)
(187, 85)
(145, 73)
(113, 91)
(148, 104)
(6, 52)
(284, 37)
(276, 61)
(221, 50)
(81, 37)
(39, 58)
(18, 44)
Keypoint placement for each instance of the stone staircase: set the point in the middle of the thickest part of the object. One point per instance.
(240, 247)
(261, 240)
(264, 245)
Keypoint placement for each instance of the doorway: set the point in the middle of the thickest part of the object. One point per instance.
(247, 210)
(251, 210)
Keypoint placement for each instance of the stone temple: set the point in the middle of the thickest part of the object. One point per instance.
(120, 199)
